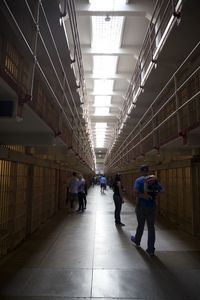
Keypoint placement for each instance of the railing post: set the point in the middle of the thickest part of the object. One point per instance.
(37, 30)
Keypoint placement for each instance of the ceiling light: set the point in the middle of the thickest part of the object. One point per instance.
(102, 111)
(107, 18)
(106, 35)
(103, 87)
(104, 65)
(102, 100)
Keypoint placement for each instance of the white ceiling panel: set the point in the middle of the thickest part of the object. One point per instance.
(121, 84)
(87, 63)
(134, 31)
(84, 26)
(126, 64)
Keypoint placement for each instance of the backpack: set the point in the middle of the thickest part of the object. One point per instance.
(151, 185)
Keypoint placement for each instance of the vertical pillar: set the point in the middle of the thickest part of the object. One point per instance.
(195, 197)
(29, 200)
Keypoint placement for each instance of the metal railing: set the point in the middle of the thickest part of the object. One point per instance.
(61, 80)
(156, 115)
(166, 12)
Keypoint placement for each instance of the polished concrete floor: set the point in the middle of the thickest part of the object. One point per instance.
(85, 256)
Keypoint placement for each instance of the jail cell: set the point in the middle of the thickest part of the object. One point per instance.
(6, 204)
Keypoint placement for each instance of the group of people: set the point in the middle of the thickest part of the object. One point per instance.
(77, 189)
(146, 188)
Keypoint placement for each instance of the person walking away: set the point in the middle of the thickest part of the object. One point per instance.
(81, 188)
(73, 189)
(103, 183)
(118, 199)
(146, 188)
(85, 195)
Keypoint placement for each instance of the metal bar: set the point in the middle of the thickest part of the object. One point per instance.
(165, 87)
(162, 123)
(150, 50)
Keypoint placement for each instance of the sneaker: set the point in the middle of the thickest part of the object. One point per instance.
(133, 240)
(120, 223)
(151, 253)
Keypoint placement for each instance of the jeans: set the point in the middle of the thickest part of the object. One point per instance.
(146, 214)
(73, 199)
(118, 205)
(84, 200)
(80, 200)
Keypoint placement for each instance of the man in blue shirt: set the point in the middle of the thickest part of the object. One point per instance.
(103, 183)
(145, 208)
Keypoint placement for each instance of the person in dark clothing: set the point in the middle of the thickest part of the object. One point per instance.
(85, 196)
(118, 199)
(81, 189)
(145, 207)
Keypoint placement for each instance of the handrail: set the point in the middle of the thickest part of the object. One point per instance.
(120, 150)
(65, 77)
(80, 64)
(158, 126)
(146, 53)
(163, 89)
(78, 54)
(52, 64)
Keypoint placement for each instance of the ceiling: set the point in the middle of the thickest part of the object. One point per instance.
(106, 62)
(111, 34)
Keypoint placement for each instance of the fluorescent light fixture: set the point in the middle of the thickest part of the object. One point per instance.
(122, 125)
(104, 66)
(126, 117)
(167, 30)
(106, 35)
(102, 111)
(144, 78)
(102, 100)
(103, 87)
(178, 5)
(164, 37)
(136, 95)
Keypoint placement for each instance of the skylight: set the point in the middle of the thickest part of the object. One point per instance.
(100, 145)
(102, 111)
(101, 131)
(101, 125)
(106, 4)
(103, 87)
(99, 139)
(106, 35)
(104, 66)
(102, 100)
